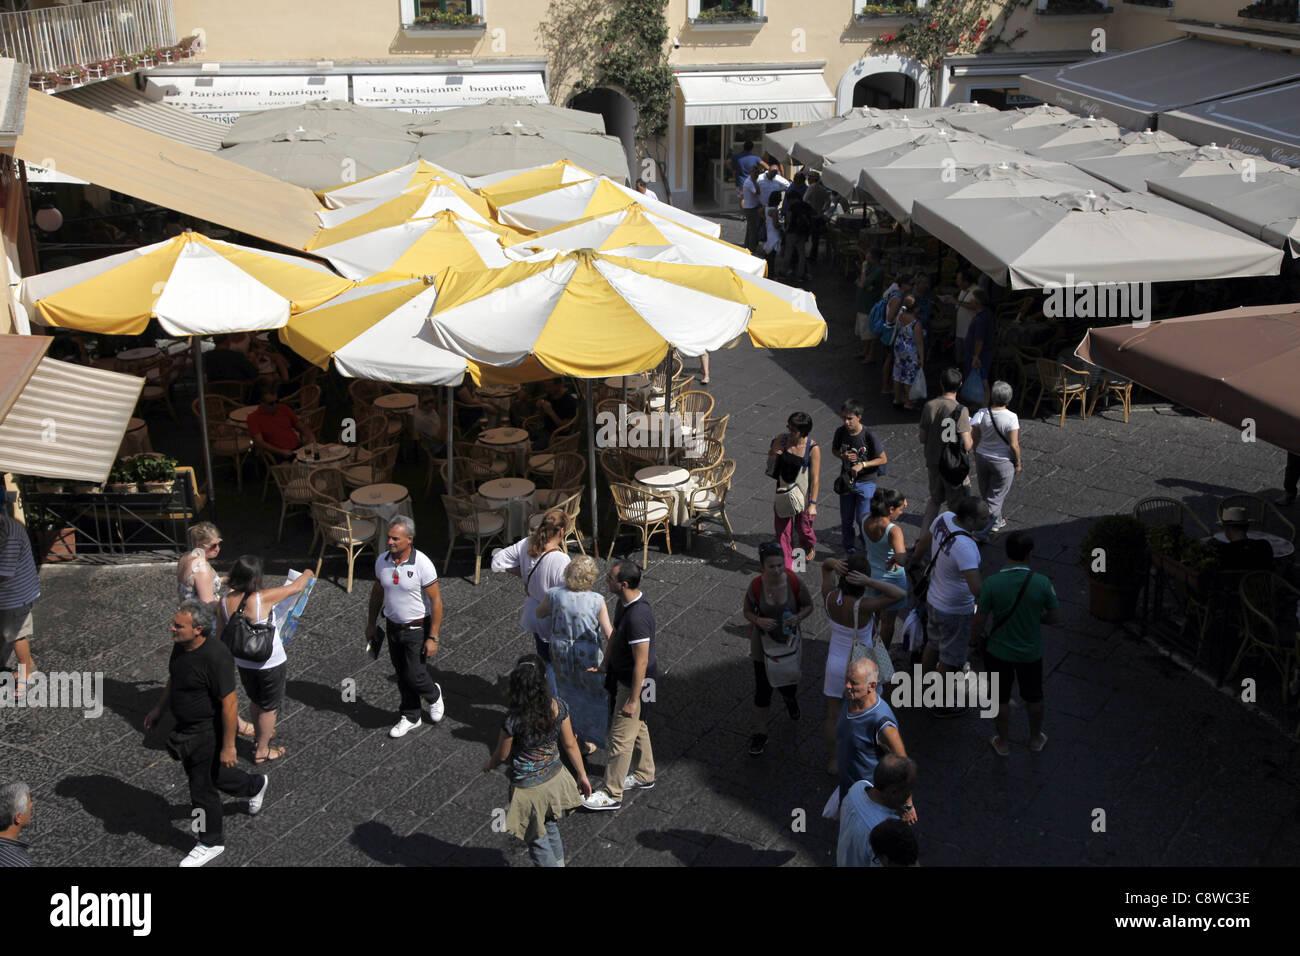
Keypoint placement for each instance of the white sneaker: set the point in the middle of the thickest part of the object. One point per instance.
(437, 709)
(600, 800)
(255, 801)
(632, 783)
(403, 727)
(202, 854)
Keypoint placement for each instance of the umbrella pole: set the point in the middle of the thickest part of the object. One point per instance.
(591, 468)
(197, 348)
(668, 402)
(451, 424)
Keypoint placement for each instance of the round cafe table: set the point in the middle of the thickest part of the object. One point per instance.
(1282, 548)
(387, 500)
(671, 480)
(516, 494)
(506, 438)
(305, 460)
(137, 355)
(396, 402)
(498, 396)
(240, 415)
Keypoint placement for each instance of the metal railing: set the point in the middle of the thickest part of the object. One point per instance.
(61, 36)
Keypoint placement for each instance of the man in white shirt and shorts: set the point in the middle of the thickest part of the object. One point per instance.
(406, 585)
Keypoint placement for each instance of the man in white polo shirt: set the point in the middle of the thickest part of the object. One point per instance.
(406, 584)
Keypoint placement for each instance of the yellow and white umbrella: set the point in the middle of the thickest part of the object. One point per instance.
(589, 197)
(389, 184)
(591, 315)
(419, 247)
(382, 332)
(511, 184)
(421, 202)
(634, 227)
(192, 284)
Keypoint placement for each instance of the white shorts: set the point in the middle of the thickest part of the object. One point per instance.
(837, 660)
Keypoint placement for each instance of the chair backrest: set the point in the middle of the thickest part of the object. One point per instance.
(381, 464)
(363, 392)
(471, 471)
(682, 384)
(466, 484)
(1155, 510)
(1263, 514)
(611, 405)
(696, 403)
(326, 484)
(1052, 375)
(372, 430)
(305, 399)
(333, 522)
(234, 390)
(313, 418)
(568, 469)
(717, 427)
(612, 463)
(707, 452)
(461, 521)
(288, 481)
(219, 408)
(561, 442)
(631, 502)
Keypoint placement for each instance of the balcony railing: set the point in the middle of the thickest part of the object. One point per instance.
(57, 37)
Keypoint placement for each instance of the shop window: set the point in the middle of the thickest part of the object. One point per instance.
(726, 11)
(450, 13)
(1277, 11)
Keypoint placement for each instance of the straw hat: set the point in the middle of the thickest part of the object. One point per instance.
(1234, 516)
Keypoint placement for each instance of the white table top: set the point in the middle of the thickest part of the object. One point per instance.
(503, 436)
(506, 489)
(396, 401)
(631, 381)
(381, 494)
(328, 453)
(662, 476)
(240, 415)
(1281, 546)
(137, 355)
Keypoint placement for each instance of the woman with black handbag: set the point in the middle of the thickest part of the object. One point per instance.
(795, 461)
(264, 679)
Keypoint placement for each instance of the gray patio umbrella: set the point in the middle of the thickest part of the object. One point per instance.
(506, 111)
(1130, 171)
(992, 123)
(935, 149)
(1033, 241)
(1265, 204)
(857, 138)
(516, 146)
(322, 116)
(1143, 143)
(322, 160)
(1075, 133)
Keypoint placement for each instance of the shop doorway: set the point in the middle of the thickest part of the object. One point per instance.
(886, 91)
(620, 117)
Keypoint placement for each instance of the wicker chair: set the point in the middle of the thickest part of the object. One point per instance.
(570, 499)
(1269, 628)
(351, 531)
(1114, 385)
(219, 408)
(327, 485)
(294, 492)
(497, 459)
(614, 465)
(1156, 510)
(1060, 383)
(469, 474)
(469, 519)
(716, 428)
(303, 400)
(1263, 514)
(1027, 377)
(697, 404)
(540, 467)
(567, 470)
(313, 419)
(707, 501)
(363, 392)
(648, 511)
(228, 440)
(702, 452)
(378, 468)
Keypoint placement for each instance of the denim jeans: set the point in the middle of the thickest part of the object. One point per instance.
(547, 850)
(544, 652)
(854, 509)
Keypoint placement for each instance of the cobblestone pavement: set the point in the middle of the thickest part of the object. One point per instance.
(1131, 733)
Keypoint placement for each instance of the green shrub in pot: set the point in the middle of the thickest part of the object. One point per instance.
(1114, 555)
(156, 471)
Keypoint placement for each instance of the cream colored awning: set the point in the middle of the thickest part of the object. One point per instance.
(119, 100)
(68, 422)
(116, 155)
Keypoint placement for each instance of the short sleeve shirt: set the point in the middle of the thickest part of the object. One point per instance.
(1020, 638)
(859, 815)
(278, 428)
(859, 742)
(540, 574)
(19, 583)
(949, 592)
(535, 759)
(989, 422)
(404, 584)
(933, 415)
(633, 624)
(842, 441)
(200, 680)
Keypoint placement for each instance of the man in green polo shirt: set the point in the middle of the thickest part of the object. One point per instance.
(1015, 602)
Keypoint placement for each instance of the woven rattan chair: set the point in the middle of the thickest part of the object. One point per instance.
(716, 428)
(540, 467)
(228, 440)
(294, 492)
(707, 501)
(1060, 383)
(648, 511)
(327, 485)
(350, 531)
(1156, 510)
(376, 469)
(472, 520)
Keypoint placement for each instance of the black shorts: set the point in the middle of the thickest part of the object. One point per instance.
(264, 688)
(1029, 674)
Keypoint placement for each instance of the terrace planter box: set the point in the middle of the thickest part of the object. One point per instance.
(54, 545)
(728, 23)
(1075, 10)
(1112, 602)
(868, 20)
(440, 31)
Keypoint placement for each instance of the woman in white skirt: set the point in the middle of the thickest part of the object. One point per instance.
(850, 609)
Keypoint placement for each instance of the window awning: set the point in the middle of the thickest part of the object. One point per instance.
(129, 105)
(1131, 88)
(770, 96)
(116, 155)
(1265, 123)
(65, 420)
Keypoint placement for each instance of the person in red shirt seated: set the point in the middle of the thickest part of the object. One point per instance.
(275, 428)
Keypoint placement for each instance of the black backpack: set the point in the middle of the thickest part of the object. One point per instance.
(953, 465)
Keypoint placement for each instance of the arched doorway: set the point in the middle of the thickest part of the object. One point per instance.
(889, 81)
(619, 114)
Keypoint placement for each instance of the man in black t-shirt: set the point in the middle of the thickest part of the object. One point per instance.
(224, 364)
(201, 694)
(631, 680)
(861, 456)
(1241, 552)
(559, 407)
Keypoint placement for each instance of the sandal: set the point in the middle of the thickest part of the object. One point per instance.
(248, 734)
(20, 687)
(272, 753)
(1004, 750)
(1041, 740)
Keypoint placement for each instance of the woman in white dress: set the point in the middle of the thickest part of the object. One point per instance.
(195, 579)
(850, 621)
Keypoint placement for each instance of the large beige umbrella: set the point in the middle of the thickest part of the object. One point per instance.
(516, 146)
(321, 160)
(506, 111)
(335, 117)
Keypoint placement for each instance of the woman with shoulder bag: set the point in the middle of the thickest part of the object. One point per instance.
(263, 681)
(776, 603)
(851, 623)
(995, 432)
(887, 553)
(540, 560)
(795, 461)
(909, 353)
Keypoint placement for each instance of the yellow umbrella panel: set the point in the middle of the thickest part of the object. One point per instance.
(500, 189)
(418, 203)
(389, 184)
(418, 248)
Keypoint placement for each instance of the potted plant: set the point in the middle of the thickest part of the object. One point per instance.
(157, 473)
(122, 478)
(188, 45)
(43, 81)
(97, 70)
(51, 539)
(1114, 556)
(148, 59)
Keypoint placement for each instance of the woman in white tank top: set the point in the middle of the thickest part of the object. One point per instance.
(850, 607)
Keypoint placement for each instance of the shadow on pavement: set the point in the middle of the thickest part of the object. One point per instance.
(323, 697)
(378, 841)
(123, 808)
(721, 852)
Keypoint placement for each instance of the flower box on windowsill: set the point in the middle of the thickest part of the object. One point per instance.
(1158, 4)
(872, 20)
(728, 23)
(1069, 10)
(1270, 13)
(434, 30)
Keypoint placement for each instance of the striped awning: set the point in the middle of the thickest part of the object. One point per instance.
(120, 101)
(67, 420)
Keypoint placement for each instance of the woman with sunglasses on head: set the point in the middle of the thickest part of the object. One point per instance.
(542, 790)
(540, 560)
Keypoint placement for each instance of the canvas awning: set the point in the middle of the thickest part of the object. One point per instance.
(60, 420)
(1265, 123)
(125, 103)
(119, 156)
(768, 96)
(1131, 88)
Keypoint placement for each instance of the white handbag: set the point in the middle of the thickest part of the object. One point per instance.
(884, 664)
(918, 392)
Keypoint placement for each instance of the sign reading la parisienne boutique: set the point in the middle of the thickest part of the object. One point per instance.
(224, 98)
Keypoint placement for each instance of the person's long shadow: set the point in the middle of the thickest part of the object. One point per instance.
(131, 700)
(476, 703)
(379, 842)
(122, 808)
(721, 852)
(324, 697)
